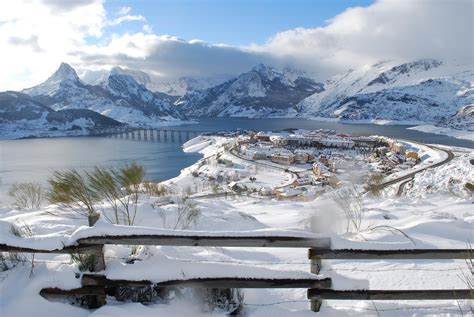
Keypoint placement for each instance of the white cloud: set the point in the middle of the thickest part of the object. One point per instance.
(124, 16)
(170, 56)
(388, 29)
(36, 35)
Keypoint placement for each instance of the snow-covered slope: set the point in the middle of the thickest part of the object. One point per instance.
(261, 92)
(420, 91)
(141, 77)
(172, 87)
(118, 96)
(183, 85)
(23, 116)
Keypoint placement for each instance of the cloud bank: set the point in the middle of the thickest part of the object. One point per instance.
(36, 36)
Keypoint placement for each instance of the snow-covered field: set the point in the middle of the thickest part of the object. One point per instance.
(436, 212)
(459, 134)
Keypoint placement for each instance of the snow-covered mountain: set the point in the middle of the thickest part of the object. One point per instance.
(428, 91)
(118, 96)
(261, 92)
(420, 91)
(21, 116)
(172, 87)
(183, 85)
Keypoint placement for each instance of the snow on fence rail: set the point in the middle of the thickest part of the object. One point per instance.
(95, 287)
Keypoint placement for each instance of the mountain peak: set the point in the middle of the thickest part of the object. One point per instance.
(262, 68)
(64, 72)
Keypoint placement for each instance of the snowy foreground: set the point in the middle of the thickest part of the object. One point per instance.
(435, 211)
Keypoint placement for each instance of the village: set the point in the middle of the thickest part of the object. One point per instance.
(300, 164)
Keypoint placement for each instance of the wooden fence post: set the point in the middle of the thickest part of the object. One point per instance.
(315, 268)
(96, 301)
(315, 261)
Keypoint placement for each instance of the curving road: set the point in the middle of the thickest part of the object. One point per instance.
(412, 174)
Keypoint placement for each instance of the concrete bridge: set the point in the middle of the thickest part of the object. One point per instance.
(148, 134)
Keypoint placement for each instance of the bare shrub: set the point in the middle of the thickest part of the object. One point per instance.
(469, 187)
(103, 182)
(80, 193)
(27, 195)
(71, 190)
(374, 184)
(154, 189)
(227, 299)
(187, 213)
(9, 260)
(130, 178)
(85, 261)
(118, 188)
(187, 191)
(350, 200)
(142, 294)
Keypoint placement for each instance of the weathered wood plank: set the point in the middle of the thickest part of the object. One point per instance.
(210, 241)
(412, 254)
(69, 249)
(226, 282)
(323, 294)
(85, 290)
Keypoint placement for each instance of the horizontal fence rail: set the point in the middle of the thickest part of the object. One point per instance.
(410, 254)
(211, 241)
(215, 282)
(390, 294)
(83, 248)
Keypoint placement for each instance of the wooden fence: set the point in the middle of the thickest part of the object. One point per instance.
(95, 286)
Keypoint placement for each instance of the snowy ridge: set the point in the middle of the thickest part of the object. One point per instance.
(261, 92)
(65, 75)
(421, 91)
(119, 95)
(23, 116)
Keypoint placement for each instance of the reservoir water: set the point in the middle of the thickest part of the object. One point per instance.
(33, 160)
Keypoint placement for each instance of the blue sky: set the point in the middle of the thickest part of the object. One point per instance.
(233, 22)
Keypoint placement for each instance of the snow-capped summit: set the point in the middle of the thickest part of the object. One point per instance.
(261, 92)
(425, 90)
(119, 96)
(185, 84)
(65, 74)
(140, 77)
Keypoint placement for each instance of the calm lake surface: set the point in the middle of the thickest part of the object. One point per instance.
(33, 160)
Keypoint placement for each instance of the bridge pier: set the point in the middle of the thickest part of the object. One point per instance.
(165, 135)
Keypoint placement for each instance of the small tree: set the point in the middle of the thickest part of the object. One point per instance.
(27, 195)
(103, 182)
(130, 178)
(71, 190)
(351, 202)
(187, 213)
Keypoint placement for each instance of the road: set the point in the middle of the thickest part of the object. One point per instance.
(412, 174)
